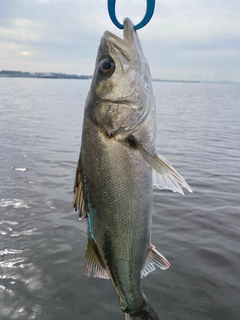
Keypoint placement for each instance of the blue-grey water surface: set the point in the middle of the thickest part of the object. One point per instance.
(42, 243)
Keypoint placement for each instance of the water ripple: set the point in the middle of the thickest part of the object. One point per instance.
(15, 203)
(11, 263)
(29, 232)
(43, 244)
(6, 251)
(19, 169)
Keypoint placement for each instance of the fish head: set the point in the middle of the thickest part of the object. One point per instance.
(121, 84)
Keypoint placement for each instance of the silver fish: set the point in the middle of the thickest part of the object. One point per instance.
(117, 167)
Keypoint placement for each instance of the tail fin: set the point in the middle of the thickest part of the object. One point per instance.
(146, 314)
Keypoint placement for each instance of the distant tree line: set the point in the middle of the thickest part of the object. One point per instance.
(11, 73)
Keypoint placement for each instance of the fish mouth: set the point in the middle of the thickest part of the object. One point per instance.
(127, 45)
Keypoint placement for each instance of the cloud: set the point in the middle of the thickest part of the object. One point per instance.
(25, 53)
(198, 36)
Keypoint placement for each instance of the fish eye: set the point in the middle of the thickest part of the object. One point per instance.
(105, 66)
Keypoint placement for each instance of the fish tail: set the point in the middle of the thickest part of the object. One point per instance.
(145, 314)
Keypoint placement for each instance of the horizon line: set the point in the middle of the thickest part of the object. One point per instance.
(60, 75)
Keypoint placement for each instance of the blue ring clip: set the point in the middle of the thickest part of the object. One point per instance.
(145, 20)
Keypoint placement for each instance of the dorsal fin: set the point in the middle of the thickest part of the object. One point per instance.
(154, 258)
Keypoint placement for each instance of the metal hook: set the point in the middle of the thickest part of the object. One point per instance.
(145, 20)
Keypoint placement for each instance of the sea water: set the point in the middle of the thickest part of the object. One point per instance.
(42, 243)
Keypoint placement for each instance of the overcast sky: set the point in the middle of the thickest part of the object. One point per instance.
(186, 39)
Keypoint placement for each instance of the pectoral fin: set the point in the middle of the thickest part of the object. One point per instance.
(154, 258)
(78, 198)
(93, 267)
(164, 175)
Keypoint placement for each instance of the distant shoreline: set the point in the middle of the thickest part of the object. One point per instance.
(52, 75)
(187, 81)
(47, 77)
(42, 75)
(83, 78)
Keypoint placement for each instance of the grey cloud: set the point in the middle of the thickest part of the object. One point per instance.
(184, 38)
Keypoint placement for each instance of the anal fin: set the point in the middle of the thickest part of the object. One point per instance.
(154, 258)
(93, 267)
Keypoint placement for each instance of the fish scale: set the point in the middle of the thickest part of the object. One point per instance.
(120, 206)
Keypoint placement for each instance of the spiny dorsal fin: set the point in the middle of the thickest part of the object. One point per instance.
(154, 258)
(78, 198)
(165, 176)
(92, 266)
